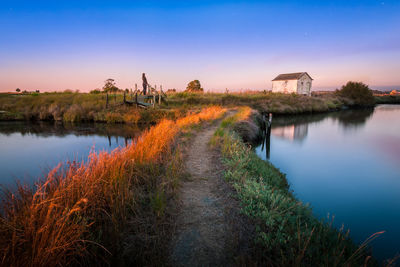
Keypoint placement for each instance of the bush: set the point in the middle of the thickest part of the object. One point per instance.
(194, 87)
(358, 92)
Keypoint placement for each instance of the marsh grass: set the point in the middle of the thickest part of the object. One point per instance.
(78, 107)
(287, 232)
(110, 209)
(75, 107)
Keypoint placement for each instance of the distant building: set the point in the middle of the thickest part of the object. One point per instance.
(299, 83)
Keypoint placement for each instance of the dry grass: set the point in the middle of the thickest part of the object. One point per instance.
(77, 214)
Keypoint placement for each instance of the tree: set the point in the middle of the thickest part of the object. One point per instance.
(109, 86)
(95, 91)
(194, 87)
(358, 92)
(18, 90)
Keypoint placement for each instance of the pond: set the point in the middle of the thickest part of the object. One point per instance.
(347, 165)
(30, 149)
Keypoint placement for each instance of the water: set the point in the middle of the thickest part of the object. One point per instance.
(29, 150)
(345, 164)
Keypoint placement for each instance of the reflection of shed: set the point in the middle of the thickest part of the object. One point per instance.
(291, 132)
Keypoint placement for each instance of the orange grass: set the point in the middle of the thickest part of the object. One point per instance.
(76, 215)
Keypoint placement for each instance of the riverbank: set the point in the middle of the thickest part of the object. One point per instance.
(109, 210)
(79, 107)
(287, 233)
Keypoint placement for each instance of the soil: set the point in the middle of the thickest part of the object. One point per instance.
(210, 231)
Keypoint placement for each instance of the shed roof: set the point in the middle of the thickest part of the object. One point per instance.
(291, 76)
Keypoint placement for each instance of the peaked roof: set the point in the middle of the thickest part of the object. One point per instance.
(291, 76)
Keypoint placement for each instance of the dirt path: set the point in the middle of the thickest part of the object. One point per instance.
(210, 230)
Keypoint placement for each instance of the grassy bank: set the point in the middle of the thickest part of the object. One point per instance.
(387, 99)
(109, 210)
(272, 102)
(78, 107)
(287, 232)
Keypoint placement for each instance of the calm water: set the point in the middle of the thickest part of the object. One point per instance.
(29, 150)
(345, 164)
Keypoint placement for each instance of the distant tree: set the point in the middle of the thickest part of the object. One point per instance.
(18, 90)
(95, 91)
(37, 91)
(358, 92)
(127, 90)
(109, 86)
(194, 87)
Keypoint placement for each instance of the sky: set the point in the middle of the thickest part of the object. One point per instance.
(239, 45)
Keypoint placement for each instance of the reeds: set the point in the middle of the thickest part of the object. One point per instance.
(77, 214)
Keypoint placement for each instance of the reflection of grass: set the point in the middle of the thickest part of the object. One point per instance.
(81, 213)
(287, 232)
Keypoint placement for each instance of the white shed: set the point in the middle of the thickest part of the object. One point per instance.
(299, 83)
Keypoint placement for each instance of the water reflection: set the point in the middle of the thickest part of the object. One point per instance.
(291, 132)
(47, 129)
(29, 150)
(353, 119)
(295, 128)
(344, 163)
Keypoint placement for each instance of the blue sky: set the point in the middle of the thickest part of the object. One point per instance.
(55, 45)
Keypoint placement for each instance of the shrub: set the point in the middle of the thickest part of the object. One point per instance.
(194, 87)
(95, 91)
(357, 92)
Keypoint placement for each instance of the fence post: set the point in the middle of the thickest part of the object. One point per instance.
(124, 96)
(154, 100)
(106, 99)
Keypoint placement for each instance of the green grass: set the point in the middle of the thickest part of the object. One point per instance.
(76, 107)
(287, 233)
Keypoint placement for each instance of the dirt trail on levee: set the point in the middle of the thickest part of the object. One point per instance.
(210, 231)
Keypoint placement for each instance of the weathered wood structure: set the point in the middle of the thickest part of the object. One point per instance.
(298, 83)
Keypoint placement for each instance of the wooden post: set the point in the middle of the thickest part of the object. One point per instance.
(124, 96)
(136, 100)
(154, 100)
(107, 100)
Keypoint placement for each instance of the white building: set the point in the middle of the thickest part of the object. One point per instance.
(299, 83)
